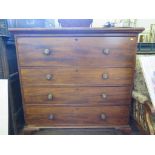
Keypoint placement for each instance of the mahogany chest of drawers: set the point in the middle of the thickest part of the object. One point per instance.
(76, 77)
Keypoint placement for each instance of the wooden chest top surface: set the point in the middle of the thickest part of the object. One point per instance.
(128, 30)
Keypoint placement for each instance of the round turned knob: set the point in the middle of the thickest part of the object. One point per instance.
(51, 117)
(103, 116)
(104, 96)
(50, 97)
(47, 51)
(105, 76)
(49, 76)
(106, 51)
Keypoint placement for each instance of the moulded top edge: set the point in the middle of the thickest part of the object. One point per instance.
(75, 30)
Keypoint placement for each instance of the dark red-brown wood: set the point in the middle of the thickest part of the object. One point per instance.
(81, 96)
(76, 59)
(91, 76)
(76, 116)
(76, 51)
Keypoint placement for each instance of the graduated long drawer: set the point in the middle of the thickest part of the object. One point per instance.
(76, 116)
(77, 76)
(77, 96)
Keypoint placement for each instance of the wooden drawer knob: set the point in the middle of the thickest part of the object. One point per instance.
(105, 76)
(104, 96)
(103, 116)
(51, 117)
(47, 52)
(50, 97)
(49, 76)
(106, 51)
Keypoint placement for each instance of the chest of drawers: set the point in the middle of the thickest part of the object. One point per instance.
(78, 78)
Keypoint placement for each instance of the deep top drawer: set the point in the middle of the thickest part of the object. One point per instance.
(76, 51)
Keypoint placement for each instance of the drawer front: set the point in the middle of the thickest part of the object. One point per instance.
(77, 76)
(76, 116)
(77, 95)
(80, 51)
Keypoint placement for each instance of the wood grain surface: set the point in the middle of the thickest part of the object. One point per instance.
(77, 95)
(76, 51)
(75, 116)
(77, 76)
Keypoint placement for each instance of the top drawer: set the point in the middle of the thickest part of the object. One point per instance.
(76, 51)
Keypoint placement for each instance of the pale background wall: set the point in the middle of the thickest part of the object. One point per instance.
(3, 107)
(145, 23)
